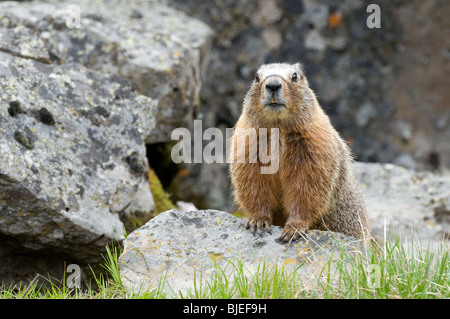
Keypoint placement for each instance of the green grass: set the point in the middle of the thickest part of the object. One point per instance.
(391, 271)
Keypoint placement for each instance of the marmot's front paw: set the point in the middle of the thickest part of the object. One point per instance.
(258, 224)
(292, 231)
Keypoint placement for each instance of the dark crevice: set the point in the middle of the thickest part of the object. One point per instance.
(159, 159)
(17, 54)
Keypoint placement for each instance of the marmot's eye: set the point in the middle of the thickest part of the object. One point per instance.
(256, 77)
(294, 77)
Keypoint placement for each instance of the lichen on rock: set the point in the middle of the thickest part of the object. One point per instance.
(77, 107)
(182, 247)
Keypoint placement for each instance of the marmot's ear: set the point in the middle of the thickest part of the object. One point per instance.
(299, 67)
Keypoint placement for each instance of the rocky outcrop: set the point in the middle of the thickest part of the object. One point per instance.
(83, 88)
(72, 160)
(405, 203)
(179, 247)
(160, 50)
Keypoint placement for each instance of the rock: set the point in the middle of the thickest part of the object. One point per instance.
(73, 160)
(184, 206)
(160, 50)
(182, 245)
(365, 114)
(411, 204)
(267, 12)
(83, 88)
(314, 41)
(405, 160)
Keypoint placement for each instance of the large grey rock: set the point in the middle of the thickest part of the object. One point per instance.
(160, 50)
(180, 246)
(72, 155)
(84, 85)
(410, 204)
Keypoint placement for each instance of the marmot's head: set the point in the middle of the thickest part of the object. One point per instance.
(279, 91)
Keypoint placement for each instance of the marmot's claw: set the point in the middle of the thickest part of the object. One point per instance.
(291, 234)
(258, 226)
(261, 225)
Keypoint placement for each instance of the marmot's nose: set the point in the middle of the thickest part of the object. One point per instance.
(273, 86)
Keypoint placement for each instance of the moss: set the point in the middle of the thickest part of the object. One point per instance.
(239, 214)
(24, 139)
(134, 220)
(15, 108)
(161, 198)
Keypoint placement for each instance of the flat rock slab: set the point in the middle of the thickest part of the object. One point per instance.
(411, 204)
(183, 245)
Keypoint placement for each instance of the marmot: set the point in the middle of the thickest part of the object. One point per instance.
(314, 186)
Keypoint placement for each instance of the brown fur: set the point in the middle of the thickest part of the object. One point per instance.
(314, 187)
